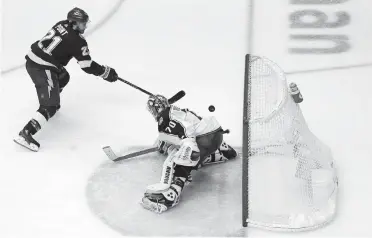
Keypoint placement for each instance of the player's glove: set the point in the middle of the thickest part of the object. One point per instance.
(110, 74)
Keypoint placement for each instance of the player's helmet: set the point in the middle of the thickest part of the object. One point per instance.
(156, 104)
(79, 19)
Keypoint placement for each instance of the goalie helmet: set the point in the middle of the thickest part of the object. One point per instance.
(79, 19)
(156, 104)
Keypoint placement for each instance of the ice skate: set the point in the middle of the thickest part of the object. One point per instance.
(25, 139)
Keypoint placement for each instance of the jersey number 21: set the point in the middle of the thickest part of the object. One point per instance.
(51, 35)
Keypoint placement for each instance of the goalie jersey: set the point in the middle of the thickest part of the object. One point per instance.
(175, 124)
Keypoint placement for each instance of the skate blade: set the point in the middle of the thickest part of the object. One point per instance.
(21, 141)
(154, 207)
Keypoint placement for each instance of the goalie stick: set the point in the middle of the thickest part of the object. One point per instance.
(112, 156)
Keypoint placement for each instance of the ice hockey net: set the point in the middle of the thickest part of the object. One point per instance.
(289, 177)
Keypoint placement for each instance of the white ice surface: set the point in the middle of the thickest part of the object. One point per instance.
(163, 46)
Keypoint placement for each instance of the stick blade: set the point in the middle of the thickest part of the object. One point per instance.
(177, 97)
(110, 153)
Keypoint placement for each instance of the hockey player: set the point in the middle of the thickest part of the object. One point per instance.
(189, 142)
(45, 64)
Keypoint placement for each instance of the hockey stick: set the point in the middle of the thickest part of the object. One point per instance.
(171, 100)
(176, 97)
(135, 86)
(112, 156)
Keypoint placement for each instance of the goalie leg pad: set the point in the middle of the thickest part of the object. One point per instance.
(223, 154)
(227, 151)
(153, 206)
(188, 154)
(160, 202)
(214, 158)
(169, 172)
(166, 176)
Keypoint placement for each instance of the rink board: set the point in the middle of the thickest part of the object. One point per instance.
(210, 205)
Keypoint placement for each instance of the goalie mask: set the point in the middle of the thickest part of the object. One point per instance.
(156, 104)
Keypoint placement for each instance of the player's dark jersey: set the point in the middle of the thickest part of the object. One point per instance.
(175, 124)
(59, 46)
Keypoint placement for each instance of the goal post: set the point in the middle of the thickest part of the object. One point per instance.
(289, 181)
(246, 143)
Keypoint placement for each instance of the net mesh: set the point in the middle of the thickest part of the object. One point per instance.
(292, 179)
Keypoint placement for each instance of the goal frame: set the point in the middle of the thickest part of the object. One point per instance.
(246, 143)
(321, 174)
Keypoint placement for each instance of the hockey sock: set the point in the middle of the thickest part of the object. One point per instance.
(35, 124)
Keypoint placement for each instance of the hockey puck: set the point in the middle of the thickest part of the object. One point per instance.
(211, 108)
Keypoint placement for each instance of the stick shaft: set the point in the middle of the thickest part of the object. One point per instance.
(135, 154)
(173, 99)
(135, 86)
